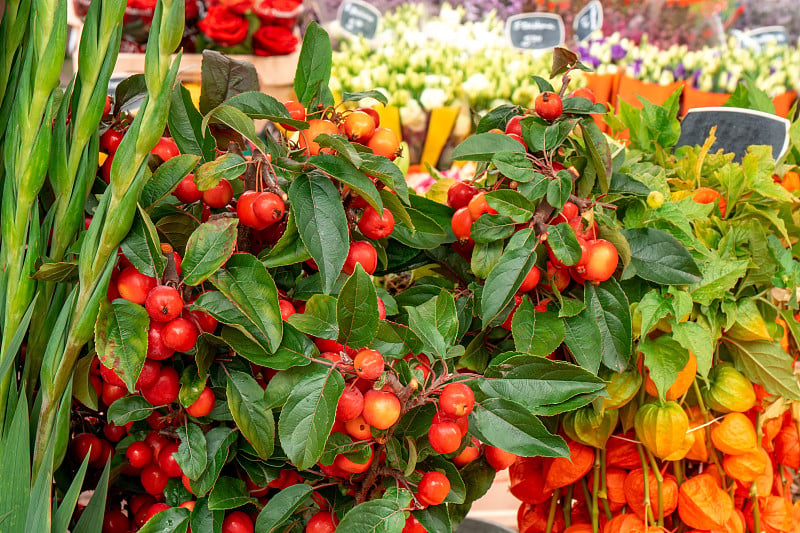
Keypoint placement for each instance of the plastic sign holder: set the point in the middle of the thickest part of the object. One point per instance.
(535, 31)
(737, 129)
(359, 18)
(588, 20)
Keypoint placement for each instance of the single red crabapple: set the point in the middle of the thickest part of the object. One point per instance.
(163, 303)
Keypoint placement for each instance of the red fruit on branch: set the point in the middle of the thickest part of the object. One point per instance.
(296, 110)
(163, 303)
(135, 286)
(165, 389)
(322, 522)
(84, 444)
(445, 437)
(462, 224)
(375, 226)
(478, 206)
(457, 400)
(460, 193)
(368, 364)
(153, 479)
(165, 148)
(351, 404)
(548, 105)
(433, 488)
(203, 405)
(180, 334)
(384, 142)
(187, 191)
(219, 196)
(381, 409)
(269, 208)
(237, 522)
(316, 127)
(359, 127)
(363, 253)
(499, 459)
(513, 126)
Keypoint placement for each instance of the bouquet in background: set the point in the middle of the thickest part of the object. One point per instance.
(260, 27)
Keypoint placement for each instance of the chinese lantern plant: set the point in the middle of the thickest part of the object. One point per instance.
(699, 432)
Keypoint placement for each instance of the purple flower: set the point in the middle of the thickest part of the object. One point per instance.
(696, 77)
(680, 72)
(618, 52)
(637, 67)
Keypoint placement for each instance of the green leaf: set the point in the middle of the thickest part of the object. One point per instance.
(506, 278)
(511, 204)
(536, 188)
(659, 257)
(258, 105)
(499, 117)
(142, 246)
(347, 173)
(228, 493)
(192, 451)
(322, 223)
(281, 507)
(247, 284)
(510, 427)
(128, 409)
(208, 247)
(386, 172)
(485, 256)
(536, 333)
(16, 467)
(174, 519)
(719, 276)
(356, 96)
(538, 384)
(91, 518)
(608, 306)
(60, 272)
(251, 414)
(288, 250)
(226, 167)
(514, 165)
(236, 120)
(768, 365)
(491, 228)
(186, 126)
(436, 323)
(166, 178)
(314, 66)
(63, 515)
(697, 339)
(204, 520)
(484, 146)
(424, 233)
(434, 518)
(376, 516)
(224, 77)
(319, 317)
(308, 415)
(563, 242)
(121, 338)
(583, 340)
(341, 146)
(559, 189)
(664, 357)
(357, 310)
(600, 152)
(177, 229)
(218, 444)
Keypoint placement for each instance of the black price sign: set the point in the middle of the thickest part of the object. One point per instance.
(359, 18)
(588, 20)
(535, 31)
(737, 129)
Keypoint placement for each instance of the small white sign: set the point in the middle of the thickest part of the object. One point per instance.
(359, 18)
(588, 20)
(535, 31)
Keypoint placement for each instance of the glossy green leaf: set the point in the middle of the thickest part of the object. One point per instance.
(511, 204)
(768, 365)
(435, 323)
(664, 357)
(208, 247)
(322, 223)
(142, 246)
(659, 257)
(228, 493)
(357, 310)
(319, 317)
(172, 520)
(121, 338)
(166, 178)
(510, 427)
(562, 241)
(507, 276)
(128, 409)
(514, 165)
(609, 307)
(218, 444)
(314, 66)
(347, 173)
(192, 451)
(249, 287)
(308, 415)
(258, 105)
(536, 333)
(281, 507)
(484, 146)
(251, 414)
(226, 167)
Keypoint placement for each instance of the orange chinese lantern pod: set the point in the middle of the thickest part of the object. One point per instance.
(615, 487)
(580, 512)
(565, 471)
(747, 467)
(649, 529)
(579, 528)
(527, 480)
(761, 393)
(735, 524)
(787, 446)
(661, 427)
(785, 337)
(698, 450)
(682, 383)
(634, 492)
(769, 430)
(533, 519)
(728, 390)
(775, 514)
(621, 451)
(707, 195)
(735, 435)
(624, 523)
(702, 504)
(688, 443)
